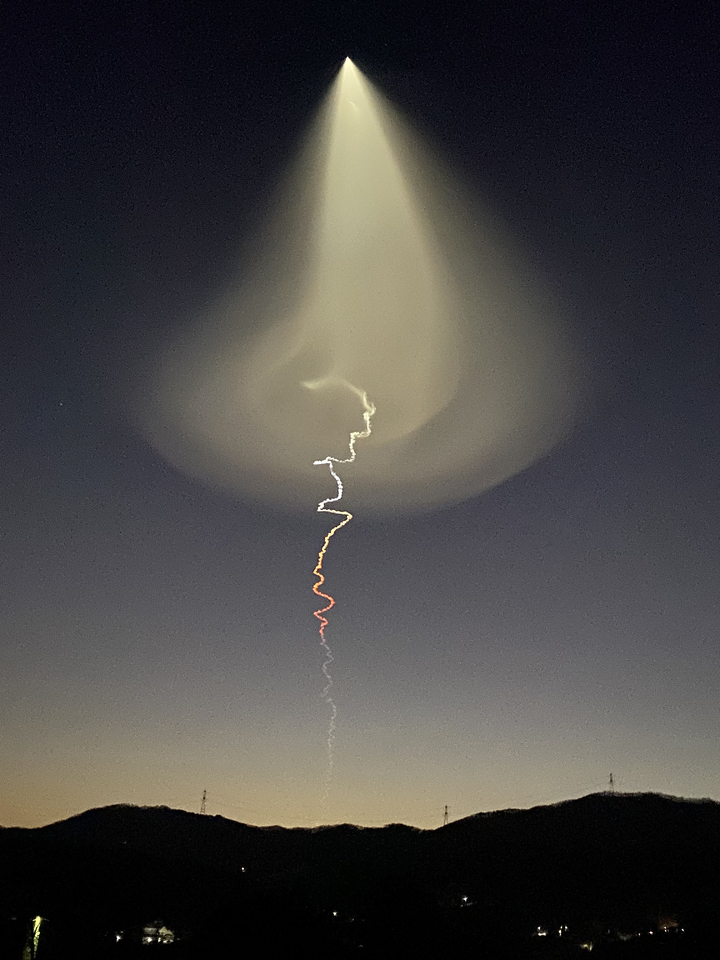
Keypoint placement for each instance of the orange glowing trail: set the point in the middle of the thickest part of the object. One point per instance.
(369, 410)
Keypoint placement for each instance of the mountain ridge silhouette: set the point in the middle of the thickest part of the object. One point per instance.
(601, 865)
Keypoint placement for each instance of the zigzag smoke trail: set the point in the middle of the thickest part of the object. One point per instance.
(369, 410)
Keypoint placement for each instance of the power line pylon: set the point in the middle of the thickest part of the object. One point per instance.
(203, 808)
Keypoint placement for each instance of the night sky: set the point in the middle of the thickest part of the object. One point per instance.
(517, 648)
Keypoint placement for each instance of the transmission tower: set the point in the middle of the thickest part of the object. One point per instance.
(445, 816)
(203, 808)
(611, 784)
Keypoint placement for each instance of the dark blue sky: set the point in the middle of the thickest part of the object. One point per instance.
(158, 637)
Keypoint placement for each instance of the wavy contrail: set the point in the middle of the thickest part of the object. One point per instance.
(369, 410)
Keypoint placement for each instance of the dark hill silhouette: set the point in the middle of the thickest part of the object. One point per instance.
(602, 866)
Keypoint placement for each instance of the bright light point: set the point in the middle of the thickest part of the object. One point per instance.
(375, 274)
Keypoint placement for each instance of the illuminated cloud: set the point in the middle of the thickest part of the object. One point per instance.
(378, 277)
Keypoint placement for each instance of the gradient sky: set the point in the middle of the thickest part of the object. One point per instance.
(157, 634)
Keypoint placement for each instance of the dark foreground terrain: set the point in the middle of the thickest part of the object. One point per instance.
(616, 874)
